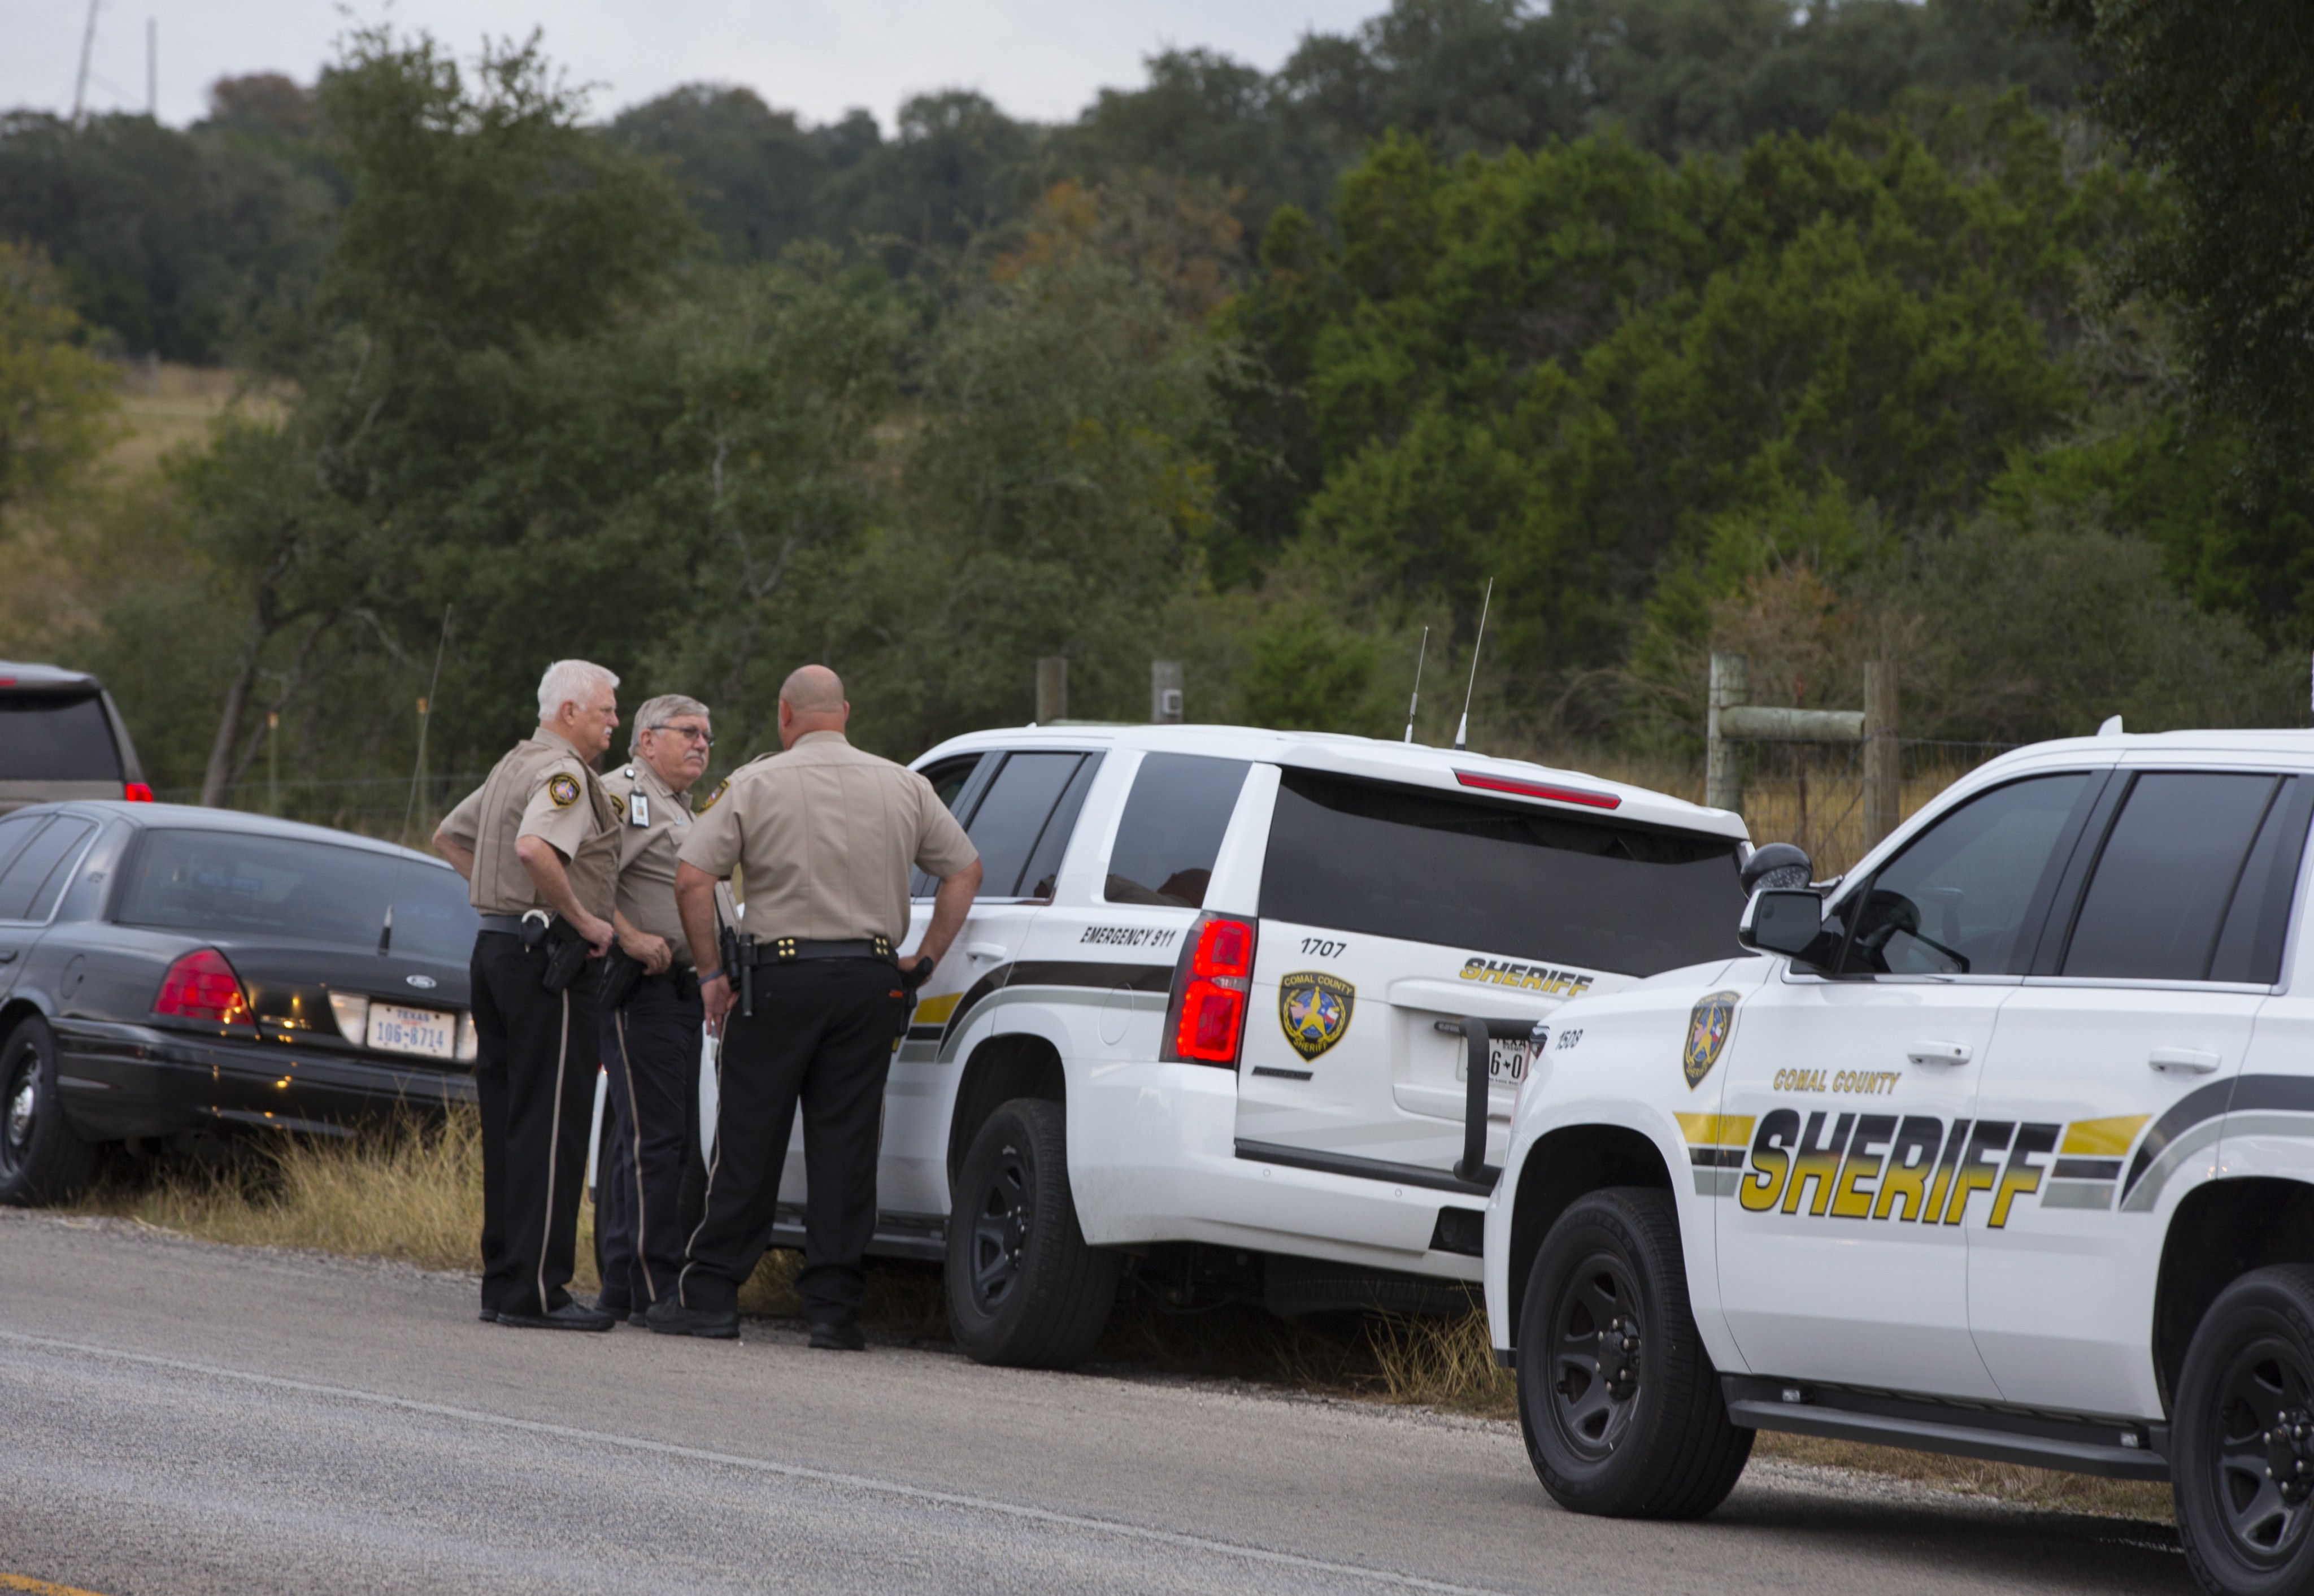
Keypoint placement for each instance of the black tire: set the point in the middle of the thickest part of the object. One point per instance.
(1023, 1288)
(41, 1158)
(2244, 1404)
(1619, 1402)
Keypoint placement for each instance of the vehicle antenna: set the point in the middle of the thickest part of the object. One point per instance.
(1462, 732)
(1417, 684)
(425, 714)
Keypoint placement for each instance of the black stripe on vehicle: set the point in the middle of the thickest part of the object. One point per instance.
(977, 993)
(1103, 977)
(2204, 1103)
(2085, 1169)
(1342, 1163)
(1715, 1157)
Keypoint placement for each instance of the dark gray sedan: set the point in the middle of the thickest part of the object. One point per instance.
(166, 970)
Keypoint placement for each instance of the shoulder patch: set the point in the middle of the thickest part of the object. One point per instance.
(562, 787)
(618, 805)
(708, 802)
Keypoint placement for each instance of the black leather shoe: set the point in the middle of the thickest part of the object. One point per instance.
(570, 1316)
(673, 1319)
(639, 1318)
(838, 1338)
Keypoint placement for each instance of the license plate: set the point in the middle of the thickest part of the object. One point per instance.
(1507, 1058)
(427, 1032)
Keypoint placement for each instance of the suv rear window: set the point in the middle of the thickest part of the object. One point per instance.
(53, 736)
(1396, 862)
(286, 887)
(1170, 832)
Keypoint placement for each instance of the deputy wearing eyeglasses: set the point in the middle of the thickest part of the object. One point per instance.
(650, 1034)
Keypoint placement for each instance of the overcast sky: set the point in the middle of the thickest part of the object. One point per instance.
(1040, 59)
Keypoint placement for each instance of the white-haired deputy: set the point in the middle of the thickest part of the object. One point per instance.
(651, 1038)
(538, 843)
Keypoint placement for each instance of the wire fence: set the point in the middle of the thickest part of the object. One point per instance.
(1804, 792)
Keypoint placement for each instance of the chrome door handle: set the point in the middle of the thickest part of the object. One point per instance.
(1940, 1052)
(985, 950)
(2183, 1060)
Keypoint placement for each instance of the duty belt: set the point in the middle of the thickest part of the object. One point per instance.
(510, 924)
(787, 950)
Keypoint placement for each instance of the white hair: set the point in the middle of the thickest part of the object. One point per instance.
(570, 682)
(655, 713)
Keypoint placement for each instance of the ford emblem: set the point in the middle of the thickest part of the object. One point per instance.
(422, 982)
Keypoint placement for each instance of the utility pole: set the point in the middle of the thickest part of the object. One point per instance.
(1164, 692)
(1052, 689)
(153, 68)
(80, 84)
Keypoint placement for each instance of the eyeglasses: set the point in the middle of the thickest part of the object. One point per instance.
(689, 733)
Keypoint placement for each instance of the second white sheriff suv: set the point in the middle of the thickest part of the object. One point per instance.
(1213, 1011)
(2002, 1147)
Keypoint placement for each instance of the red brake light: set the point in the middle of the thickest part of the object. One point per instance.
(202, 986)
(1207, 1021)
(137, 792)
(1561, 795)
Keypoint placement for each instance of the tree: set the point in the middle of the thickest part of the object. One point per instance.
(57, 400)
(2216, 97)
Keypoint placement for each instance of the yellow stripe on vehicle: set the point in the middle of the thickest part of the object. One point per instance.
(936, 1010)
(1716, 1130)
(2103, 1137)
(40, 1587)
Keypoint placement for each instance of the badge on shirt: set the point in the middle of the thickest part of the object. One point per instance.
(710, 801)
(639, 810)
(563, 787)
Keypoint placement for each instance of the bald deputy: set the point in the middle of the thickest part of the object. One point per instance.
(538, 843)
(823, 837)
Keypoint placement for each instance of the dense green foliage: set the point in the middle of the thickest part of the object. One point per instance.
(1688, 324)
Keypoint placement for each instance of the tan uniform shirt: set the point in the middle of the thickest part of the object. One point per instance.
(653, 821)
(541, 789)
(825, 835)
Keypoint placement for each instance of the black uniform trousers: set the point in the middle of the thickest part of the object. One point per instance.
(822, 1033)
(536, 1079)
(651, 1056)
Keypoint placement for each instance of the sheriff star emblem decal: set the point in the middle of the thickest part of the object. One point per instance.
(1313, 1008)
(1708, 1025)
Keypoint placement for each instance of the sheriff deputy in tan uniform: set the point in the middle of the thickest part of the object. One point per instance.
(824, 836)
(651, 1040)
(538, 844)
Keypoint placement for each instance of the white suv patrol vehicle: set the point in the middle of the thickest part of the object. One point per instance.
(1195, 1018)
(2004, 1148)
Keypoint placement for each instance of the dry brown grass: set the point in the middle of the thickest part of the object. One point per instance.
(413, 1192)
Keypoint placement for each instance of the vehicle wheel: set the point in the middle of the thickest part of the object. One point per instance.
(1023, 1288)
(2242, 1441)
(41, 1158)
(1619, 1402)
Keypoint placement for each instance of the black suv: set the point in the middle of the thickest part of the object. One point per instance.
(61, 737)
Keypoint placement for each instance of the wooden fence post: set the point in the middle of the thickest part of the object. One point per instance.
(1722, 782)
(1052, 690)
(1884, 771)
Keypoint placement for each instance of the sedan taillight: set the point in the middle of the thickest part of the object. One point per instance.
(136, 792)
(1205, 1021)
(202, 986)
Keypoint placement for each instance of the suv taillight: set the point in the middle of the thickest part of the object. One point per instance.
(136, 792)
(202, 986)
(1205, 1021)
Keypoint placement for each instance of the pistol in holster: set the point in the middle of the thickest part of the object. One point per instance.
(565, 953)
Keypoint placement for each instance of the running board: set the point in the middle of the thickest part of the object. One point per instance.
(1342, 1163)
(920, 1236)
(2118, 1448)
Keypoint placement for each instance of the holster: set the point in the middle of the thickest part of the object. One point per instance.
(566, 954)
(620, 972)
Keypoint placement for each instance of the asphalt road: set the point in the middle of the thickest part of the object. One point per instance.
(179, 1418)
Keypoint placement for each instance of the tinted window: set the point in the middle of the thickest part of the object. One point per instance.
(29, 886)
(1043, 872)
(1170, 831)
(1007, 822)
(2167, 875)
(50, 737)
(1956, 899)
(2249, 948)
(16, 832)
(1395, 862)
(230, 881)
(948, 778)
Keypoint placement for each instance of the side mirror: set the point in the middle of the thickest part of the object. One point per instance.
(1777, 864)
(1781, 920)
